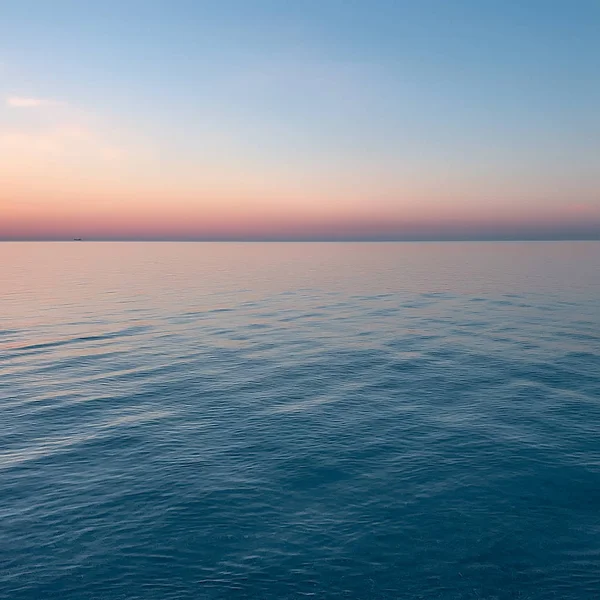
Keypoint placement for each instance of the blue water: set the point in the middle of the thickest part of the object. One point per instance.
(414, 421)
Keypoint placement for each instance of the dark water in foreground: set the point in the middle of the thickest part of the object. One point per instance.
(281, 421)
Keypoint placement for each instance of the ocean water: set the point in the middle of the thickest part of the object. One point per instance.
(270, 421)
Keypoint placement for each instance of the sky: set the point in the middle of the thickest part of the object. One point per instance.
(311, 119)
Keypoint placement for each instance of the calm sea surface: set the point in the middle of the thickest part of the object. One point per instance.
(270, 421)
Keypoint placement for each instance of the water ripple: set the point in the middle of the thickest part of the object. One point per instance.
(422, 426)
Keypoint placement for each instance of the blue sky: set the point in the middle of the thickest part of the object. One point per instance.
(478, 111)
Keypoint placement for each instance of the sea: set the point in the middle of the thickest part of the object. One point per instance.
(291, 420)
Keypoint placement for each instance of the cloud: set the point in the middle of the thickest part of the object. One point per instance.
(24, 102)
(65, 143)
(60, 132)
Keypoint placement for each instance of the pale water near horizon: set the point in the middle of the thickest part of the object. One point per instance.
(220, 420)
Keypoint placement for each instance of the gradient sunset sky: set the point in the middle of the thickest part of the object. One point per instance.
(307, 119)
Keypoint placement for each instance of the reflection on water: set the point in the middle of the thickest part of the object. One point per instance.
(220, 420)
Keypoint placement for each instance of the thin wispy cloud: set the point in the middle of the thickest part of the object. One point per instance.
(62, 142)
(27, 102)
(61, 132)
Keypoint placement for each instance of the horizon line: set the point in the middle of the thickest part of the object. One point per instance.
(304, 240)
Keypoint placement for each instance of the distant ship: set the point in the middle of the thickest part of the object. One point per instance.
(77, 240)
